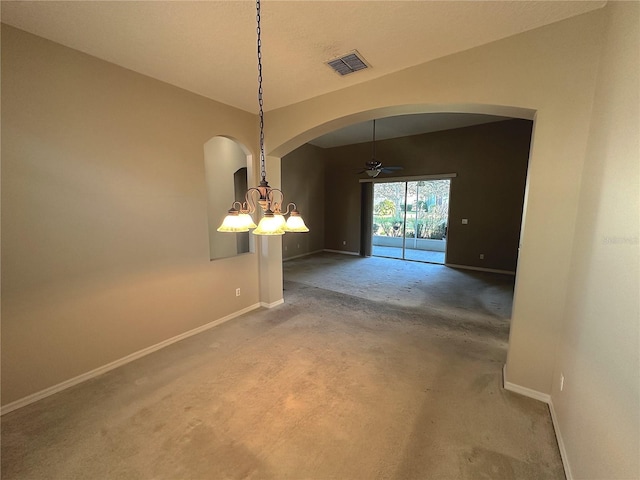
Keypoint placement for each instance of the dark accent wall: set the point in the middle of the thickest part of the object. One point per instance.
(303, 183)
(343, 199)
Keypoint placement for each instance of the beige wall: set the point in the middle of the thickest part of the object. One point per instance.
(303, 183)
(599, 407)
(550, 70)
(491, 164)
(104, 222)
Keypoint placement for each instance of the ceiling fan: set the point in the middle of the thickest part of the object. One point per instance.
(375, 167)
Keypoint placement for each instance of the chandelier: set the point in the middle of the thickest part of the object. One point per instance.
(271, 200)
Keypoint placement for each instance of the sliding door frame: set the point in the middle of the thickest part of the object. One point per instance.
(366, 207)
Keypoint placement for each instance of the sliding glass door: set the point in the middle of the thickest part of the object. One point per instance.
(410, 220)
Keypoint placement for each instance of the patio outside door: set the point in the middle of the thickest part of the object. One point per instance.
(410, 220)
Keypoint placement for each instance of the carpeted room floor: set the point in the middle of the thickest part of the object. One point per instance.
(373, 368)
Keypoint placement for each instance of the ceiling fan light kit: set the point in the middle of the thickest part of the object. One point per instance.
(271, 200)
(373, 172)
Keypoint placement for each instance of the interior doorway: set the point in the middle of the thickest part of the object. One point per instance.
(411, 219)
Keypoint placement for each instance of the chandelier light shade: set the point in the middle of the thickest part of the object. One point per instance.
(270, 200)
(233, 223)
(247, 221)
(295, 223)
(270, 224)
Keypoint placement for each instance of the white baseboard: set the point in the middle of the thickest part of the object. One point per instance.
(343, 252)
(302, 255)
(34, 397)
(480, 269)
(561, 446)
(527, 392)
(546, 398)
(272, 304)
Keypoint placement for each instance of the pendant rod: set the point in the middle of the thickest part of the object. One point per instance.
(263, 168)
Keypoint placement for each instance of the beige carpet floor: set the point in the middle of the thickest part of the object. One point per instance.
(372, 369)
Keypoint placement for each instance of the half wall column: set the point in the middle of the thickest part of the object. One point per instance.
(270, 250)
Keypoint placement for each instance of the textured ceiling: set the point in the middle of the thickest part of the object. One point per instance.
(209, 47)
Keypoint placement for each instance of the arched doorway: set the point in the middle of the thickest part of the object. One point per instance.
(485, 158)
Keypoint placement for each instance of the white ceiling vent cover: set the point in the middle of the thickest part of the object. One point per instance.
(348, 63)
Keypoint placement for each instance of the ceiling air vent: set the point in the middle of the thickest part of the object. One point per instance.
(348, 63)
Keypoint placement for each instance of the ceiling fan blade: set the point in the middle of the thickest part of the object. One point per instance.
(391, 169)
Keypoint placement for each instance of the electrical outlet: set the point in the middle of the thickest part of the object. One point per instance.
(298, 245)
(465, 221)
(344, 242)
(561, 382)
(285, 248)
(237, 292)
(482, 256)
